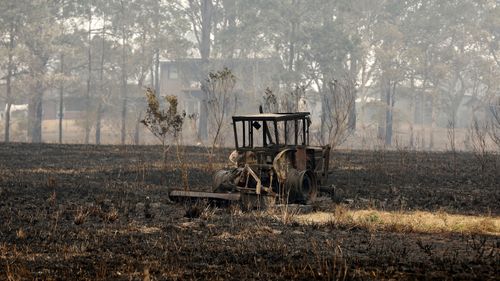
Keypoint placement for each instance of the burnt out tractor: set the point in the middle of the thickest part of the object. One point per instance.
(273, 162)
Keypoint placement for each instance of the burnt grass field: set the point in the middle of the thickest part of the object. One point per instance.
(75, 212)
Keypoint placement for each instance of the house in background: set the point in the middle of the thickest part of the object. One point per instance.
(183, 78)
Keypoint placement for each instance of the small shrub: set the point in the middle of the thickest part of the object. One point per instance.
(112, 215)
(81, 216)
(20, 234)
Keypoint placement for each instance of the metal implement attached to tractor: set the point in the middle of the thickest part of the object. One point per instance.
(273, 162)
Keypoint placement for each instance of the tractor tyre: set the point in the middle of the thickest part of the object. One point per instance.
(301, 187)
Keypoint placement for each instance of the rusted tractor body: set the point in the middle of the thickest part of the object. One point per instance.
(273, 162)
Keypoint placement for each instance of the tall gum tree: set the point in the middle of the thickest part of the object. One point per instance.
(123, 21)
(12, 18)
(38, 38)
(201, 15)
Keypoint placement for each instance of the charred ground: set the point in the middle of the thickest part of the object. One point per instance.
(102, 212)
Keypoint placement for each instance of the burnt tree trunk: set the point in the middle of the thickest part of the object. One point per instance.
(433, 121)
(157, 71)
(35, 111)
(291, 46)
(203, 120)
(152, 74)
(352, 116)
(156, 51)
(205, 47)
(98, 118)
(101, 89)
(325, 112)
(206, 28)
(8, 96)
(352, 113)
(123, 130)
(137, 132)
(389, 118)
(383, 110)
(89, 78)
(61, 100)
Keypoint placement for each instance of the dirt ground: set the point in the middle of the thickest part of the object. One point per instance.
(75, 212)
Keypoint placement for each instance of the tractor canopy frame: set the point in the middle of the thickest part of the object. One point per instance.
(276, 127)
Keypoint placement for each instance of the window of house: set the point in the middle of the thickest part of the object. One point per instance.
(172, 72)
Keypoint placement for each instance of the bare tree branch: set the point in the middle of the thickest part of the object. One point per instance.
(219, 90)
(339, 101)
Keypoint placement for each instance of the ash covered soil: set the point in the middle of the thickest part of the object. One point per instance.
(75, 212)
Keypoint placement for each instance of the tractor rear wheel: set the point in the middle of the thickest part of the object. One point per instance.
(301, 187)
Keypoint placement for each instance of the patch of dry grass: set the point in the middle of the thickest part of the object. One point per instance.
(418, 221)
